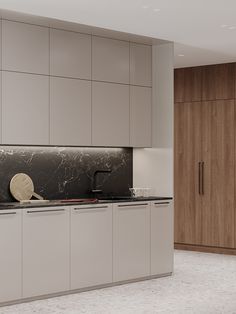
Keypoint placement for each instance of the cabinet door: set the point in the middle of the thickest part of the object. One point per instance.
(110, 114)
(218, 156)
(140, 65)
(110, 60)
(188, 84)
(140, 116)
(218, 81)
(131, 240)
(162, 238)
(70, 112)
(25, 47)
(45, 251)
(25, 109)
(10, 257)
(187, 155)
(91, 245)
(70, 54)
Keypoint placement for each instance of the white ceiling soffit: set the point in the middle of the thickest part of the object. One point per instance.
(204, 30)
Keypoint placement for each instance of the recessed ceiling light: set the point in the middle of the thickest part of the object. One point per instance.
(145, 6)
(156, 10)
(180, 55)
(232, 27)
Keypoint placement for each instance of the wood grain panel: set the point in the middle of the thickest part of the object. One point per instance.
(188, 84)
(218, 157)
(187, 150)
(218, 81)
(205, 249)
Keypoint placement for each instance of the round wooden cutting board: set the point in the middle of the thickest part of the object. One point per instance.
(22, 187)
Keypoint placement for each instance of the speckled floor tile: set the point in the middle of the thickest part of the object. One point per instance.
(202, 284)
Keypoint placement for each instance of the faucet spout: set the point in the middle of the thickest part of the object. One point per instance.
(94, 181)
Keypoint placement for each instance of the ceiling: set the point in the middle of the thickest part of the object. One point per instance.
(204, 31)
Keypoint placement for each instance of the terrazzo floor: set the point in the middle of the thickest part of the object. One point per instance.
(202, 283)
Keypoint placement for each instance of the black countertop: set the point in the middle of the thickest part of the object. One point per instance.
(52, 203)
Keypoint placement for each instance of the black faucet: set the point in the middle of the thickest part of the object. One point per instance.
(94, 181)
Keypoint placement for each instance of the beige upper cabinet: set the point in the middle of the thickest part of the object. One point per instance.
(140, 116)
(25, 109)
(70, 54)
(25, 47)
(140, 65)
(110, 114)
(110, 60)
(70, 112)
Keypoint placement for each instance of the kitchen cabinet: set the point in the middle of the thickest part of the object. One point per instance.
(218, 82)
(46, 251)
(70, 112)
(140, 116)
(186, 172)
(91, 245)
(70, 54)
(140, 64)
(25, 47)
(162, 237)
(162, 96)
(110, 114)
(204, 184)
(131, 240)
(25, 109)
(188, 84)
(10, 257)
(218, 157)
(110, 60)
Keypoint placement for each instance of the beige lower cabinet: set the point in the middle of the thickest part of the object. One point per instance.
(131, 240)
(91, 245)
(10, 257)
(162, 238)
(57, 249)
(46, 243)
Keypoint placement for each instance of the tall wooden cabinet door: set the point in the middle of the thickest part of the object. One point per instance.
(218, 174)
(186, 173)
(188, 84)
(218, 81)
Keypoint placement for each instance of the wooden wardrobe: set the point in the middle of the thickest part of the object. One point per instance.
(204, 167)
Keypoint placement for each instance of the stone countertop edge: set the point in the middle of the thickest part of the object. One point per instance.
(15, 205)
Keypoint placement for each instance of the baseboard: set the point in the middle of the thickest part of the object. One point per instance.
(205, 249)
(63, 293)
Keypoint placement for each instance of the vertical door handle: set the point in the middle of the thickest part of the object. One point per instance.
(202, 177)
(199, 178)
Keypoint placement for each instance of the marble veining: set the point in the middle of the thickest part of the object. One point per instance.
(201, 284)
(66, 172)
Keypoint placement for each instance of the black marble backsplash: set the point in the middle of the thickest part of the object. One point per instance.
(66, 172)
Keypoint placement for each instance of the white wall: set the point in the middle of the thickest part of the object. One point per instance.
(153, 167)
